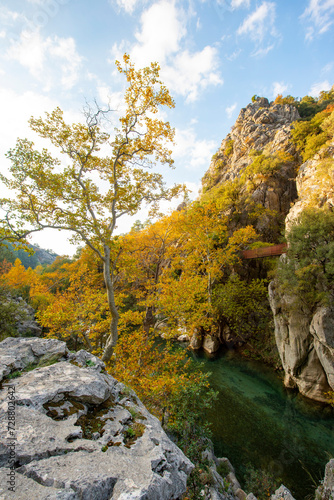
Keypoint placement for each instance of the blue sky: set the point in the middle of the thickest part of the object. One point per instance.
(214, 56)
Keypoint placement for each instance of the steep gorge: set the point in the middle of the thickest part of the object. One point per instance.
(260, 174)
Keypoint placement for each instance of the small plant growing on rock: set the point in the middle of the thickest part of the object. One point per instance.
(129, 433)
(134, 413)
(223, 469)
(14, 375)
(260, 482)
(330, 397)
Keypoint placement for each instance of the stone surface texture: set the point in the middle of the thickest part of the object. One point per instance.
(80, 434)
(282, 493)
(312, 188)
(264, 127)
(306, 343)
(326, 490)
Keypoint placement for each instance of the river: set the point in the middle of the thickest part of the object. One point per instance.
(257, 422)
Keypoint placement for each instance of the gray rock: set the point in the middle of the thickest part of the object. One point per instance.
(18, 353)
(308, 363)
(211, 344)
(86, 359)
(265, 127)
(250, 496)
(72, 432)
(183, 338)
(51, 383)
(196, 340)
(306, 344)
(38, 436)
(326, 490)
(282, 493)
(26, 489)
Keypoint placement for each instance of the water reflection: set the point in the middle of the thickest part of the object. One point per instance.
(257, 421)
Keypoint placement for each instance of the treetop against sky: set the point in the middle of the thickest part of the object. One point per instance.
(214, 55)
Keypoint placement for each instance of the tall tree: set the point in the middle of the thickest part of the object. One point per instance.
(92, 192)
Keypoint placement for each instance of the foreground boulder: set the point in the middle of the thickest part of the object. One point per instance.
(77, 433)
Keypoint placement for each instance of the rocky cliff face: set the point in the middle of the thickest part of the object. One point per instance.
(261, 128)
(306, 343)
(264, 127)
(74, 432)
(44, 257)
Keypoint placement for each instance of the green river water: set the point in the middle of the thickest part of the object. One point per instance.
(256, 421)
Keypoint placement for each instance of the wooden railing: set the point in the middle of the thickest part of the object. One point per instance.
(265, 251)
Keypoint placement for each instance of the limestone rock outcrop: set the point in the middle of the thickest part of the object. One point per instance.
(44, 257)
(326, 490)
(306, 343)
(29, 325)
(77, 433)
(282, 493)
(265, 127)
(311, 187)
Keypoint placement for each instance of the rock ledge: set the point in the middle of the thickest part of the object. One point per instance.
(76, 432)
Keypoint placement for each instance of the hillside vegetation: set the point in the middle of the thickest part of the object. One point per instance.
(184, 273)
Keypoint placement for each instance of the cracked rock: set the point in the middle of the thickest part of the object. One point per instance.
(75, 436)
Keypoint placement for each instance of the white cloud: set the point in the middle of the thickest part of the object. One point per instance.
(162, 28)
(320, 14)
(8, 16)
(162, 31)
(127, 5)
(327, 68)
(22, 107)
(261, 22)
(279, 88)
(29, 51)
(234, 55)
(191, 73)
(230, 110)
(318, 87)
(195, 153)
(235, 4)
(115, 100)
(65, 50)
(44, 57)
(263, 51)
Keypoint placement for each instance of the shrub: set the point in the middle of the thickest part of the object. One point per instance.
(308, 272)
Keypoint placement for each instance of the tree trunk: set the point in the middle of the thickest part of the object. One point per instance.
(113, 336)
(149, 319)
(88, 342)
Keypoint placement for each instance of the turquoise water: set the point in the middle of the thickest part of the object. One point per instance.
(257, 421)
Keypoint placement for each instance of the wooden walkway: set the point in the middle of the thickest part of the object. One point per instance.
(265, 251)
